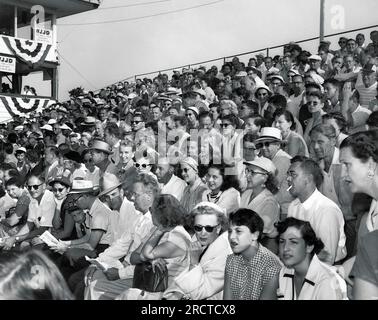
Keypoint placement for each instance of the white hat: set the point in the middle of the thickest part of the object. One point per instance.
(51, 121)
(315, 57)
(132, 95)
(47, 127)
(276, 76)
(269, 134)
(263, 163)
(65, 127)
(194, 109)
(19, 128)
(82, 186)
(262, 87)
(22, 149)
(241, 74)
(109, 182)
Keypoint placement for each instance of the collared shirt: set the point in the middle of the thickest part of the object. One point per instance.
(140, 229)
(327, 221)
(266, 206)
(98, 218)
(175, 187)
(42, 214)
(120, 221)
(321, 283)
(366, 94)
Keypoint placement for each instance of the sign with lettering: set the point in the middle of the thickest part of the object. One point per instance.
(43, 35)
(7, 64)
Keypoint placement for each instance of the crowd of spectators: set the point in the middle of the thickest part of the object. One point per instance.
(255, 181)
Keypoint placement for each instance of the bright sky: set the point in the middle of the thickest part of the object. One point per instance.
(170, 33)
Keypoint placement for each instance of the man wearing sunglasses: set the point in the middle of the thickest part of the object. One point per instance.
(41, 212)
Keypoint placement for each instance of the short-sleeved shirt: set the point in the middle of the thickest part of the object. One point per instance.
(366, 264)
(248, 278)
(42, 214)
(98, 218)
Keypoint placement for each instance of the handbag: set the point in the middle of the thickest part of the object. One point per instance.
(147, 280)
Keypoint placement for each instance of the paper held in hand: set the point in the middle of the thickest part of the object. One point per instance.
(49, 239)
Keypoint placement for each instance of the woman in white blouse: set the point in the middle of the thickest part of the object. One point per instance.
(304, 276)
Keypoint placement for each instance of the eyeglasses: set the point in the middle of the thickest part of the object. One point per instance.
(265, 144)
(262, 94)
(225, 125)
(209, 229)
(185, 170)
(143, 165)
(313, 103)
(34, 186)
(136, 121)
(60, 190)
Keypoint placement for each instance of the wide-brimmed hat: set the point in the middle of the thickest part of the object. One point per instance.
(47, 127)
(101, 146)
(74, 156)
(109, 182)
(21, 149)
(82, 186)
(89, 121)
(263, 163)
(269, 134)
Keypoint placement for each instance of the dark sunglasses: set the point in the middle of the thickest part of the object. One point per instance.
(136, 121)
(185, 170)
(265, 144)
(35, 186)
(143, 165)
(225, 125)
(60, 190)
(209, 229)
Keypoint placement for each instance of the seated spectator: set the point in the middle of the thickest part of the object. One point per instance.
(304, 276)
(252, 271)
(193, 192)
(325, 217)
(11, 224)
(168, 244)
(259, 197)
(223, 188)
(209, 251)
(294, 143)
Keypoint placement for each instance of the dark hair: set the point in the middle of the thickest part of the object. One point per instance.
(272, 183)
(12, 137)
(250, 137)
(363, 145)
(14, 181)
(258, 120)
(181, 119)
(333, 82)
(232, 118)
(113, 129)
(169, 211)
(278, 100)
(319, 95)
(306, 230)
(13, 173)
(149, 182)
(229, 181)
(373, 119)
(54, 150)
(324, 129)
(248, 218)
(310, 167)
(8, 148)
(204, 114)
(288, 116)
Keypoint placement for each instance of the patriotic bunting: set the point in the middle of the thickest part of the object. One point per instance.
(21, 106)
(32, 52)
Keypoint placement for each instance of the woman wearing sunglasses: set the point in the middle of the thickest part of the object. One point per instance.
(193, 192)
(223, 188)
(63, 224)
(209, 250)
(259, 197)
(315, 107)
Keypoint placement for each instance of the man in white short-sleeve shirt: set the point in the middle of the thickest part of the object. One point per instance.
(41, 212)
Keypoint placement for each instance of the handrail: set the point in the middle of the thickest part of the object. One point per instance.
(242, 54)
